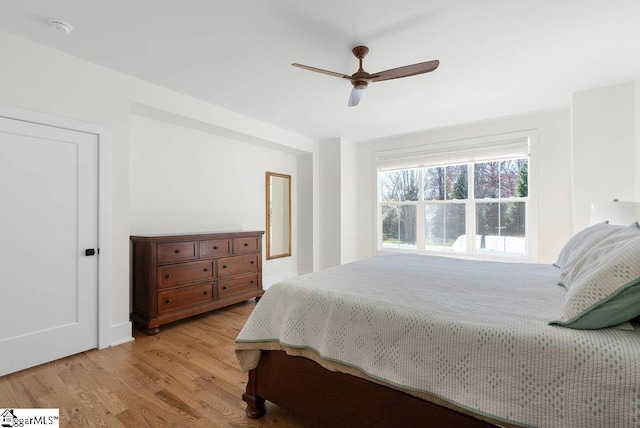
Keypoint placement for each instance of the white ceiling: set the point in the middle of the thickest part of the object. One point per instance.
(497, 57)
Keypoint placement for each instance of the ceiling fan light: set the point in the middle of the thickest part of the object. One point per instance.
(355, 96)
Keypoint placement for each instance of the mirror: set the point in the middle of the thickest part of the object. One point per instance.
(278, 215)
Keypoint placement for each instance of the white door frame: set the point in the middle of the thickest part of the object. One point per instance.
(104, 203)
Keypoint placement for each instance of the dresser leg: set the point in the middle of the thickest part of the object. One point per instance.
(145, 327)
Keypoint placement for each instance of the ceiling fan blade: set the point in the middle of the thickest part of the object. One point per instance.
(407, 70)
(319, 70)
(354, 98)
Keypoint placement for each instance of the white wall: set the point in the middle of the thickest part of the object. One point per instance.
(306, 213)
(338, 202)
(183, 180)
(554, 177)
(348, 202)
(603, 149)
(41, 79)
(330, 197)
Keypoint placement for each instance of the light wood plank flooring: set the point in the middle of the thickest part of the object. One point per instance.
(186, 375)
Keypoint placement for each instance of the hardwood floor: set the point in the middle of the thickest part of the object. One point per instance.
(186, 375)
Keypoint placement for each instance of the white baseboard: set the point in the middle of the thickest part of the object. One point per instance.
(121, 333)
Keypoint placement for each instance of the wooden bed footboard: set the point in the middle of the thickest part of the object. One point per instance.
(336, 399)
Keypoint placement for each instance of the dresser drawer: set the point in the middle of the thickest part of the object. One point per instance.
(215, 247)
(245, 245)
(228, 266)
(171, 275)
(178, 298)
(176, 252)
(236, 285)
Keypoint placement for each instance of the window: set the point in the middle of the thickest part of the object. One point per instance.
(478, 206)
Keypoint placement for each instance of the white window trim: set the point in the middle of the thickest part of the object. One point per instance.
(411, 157)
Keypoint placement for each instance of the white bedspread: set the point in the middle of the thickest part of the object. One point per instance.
(472, 333)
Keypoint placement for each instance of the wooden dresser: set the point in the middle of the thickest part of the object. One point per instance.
(178, 276)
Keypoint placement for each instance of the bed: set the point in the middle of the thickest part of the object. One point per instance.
(413, 340)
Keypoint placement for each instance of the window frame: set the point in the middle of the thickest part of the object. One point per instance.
(415, 153)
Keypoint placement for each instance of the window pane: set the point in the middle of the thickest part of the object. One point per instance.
(445, 227)
(512, 222)
(512, 216)
(487, 220)
(487, 179)
(456, 181)
(500, 227)
(450, 182)
(399, 226)
(434, 227)
(514, 178)
(399, 186)
(434, 183)
(455, 227)
(508, 178)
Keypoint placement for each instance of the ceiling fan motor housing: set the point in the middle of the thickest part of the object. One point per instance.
(360, 79)
(360, 84)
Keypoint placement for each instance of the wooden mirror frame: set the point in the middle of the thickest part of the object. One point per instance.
(284, 236)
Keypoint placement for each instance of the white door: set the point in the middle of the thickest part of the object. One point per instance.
(48, 218)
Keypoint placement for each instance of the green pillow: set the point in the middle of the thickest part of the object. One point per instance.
(620, 308)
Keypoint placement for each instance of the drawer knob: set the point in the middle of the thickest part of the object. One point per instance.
(224, 266)
(215, 247)
(206, 292)
(246, 245)
(206, 269)
(252, 262)
(167, 276)
(224, 288)
(168, 301)
(178, 251)
(252, 281)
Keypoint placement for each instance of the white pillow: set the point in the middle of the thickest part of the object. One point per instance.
(580, 243)
(604, 284)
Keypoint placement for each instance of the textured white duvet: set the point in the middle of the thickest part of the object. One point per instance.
(472, 333)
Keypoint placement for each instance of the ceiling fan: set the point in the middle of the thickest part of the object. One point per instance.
(361, 79)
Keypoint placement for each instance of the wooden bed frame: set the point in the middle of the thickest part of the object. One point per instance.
(335, 399)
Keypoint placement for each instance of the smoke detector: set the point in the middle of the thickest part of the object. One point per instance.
(60, 26)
